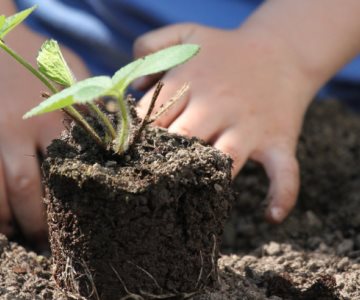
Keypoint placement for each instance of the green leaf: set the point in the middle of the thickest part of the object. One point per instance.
(2, 20)
(52, 64)
(14, 20)
(81, 92)
(154, 63)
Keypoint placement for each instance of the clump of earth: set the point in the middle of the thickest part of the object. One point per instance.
(314, 254)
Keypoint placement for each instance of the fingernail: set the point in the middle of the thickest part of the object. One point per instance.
(277, 214)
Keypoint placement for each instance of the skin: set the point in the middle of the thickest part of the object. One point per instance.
(20, 140)
(250, 88)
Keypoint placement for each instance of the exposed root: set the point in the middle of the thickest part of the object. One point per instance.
(164, 108)
(69, 277)
(91, 280)
(71, 281)
(148, 274)
(213, 261)
(129, 295)
(146, 295)
(201, 270)
(146, 121)
(155, 96)
(71, 284)
(169, 296)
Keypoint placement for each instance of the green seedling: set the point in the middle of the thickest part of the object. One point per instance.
(52, 68)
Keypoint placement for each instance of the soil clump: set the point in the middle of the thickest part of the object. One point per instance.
(145, 223)
(314, 254)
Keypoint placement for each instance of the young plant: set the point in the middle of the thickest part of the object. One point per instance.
(52, 68)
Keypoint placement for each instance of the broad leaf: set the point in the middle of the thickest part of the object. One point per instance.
(52, 64)
(14, 20)
(2, 20)
(81, 92)
(154, 63)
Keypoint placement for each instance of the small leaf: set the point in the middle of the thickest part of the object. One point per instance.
(52, 64)
(2, 20)
(81, 92)
(12, 21)
(154, 63)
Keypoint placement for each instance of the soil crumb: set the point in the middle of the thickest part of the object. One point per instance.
(314, 254)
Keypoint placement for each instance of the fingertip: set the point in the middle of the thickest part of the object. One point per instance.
(230, 143)
(275, 214)
(283, 171)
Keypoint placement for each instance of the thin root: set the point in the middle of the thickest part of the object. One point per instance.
(201, 270)
(129, 295)
(148, 274)
(164, 108)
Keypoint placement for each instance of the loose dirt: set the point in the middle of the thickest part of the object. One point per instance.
(314, 254)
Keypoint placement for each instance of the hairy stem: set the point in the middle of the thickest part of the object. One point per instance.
(74, 114)
(109, 127)
(29, 67)
(124, 131)
(71, 111)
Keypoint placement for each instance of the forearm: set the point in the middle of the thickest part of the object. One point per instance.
(323, 34)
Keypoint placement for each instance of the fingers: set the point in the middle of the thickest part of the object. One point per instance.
(156, 40)
(23, 185)
(5, 212)
(162, 38)
(232, 143)
(195, 121)
(47, 133)
(282, 169)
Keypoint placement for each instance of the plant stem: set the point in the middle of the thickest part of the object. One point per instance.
(74, 114)
(29, 67)
(71, 111)
(124, 131)
(104, 119)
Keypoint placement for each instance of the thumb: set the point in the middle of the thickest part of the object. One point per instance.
(161, 38)
(156, 40)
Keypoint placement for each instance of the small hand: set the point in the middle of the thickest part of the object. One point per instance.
(247, 98)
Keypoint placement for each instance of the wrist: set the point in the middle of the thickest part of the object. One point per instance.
(272, 51)
(319, 41)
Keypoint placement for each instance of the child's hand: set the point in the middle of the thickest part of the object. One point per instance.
(21, 190)
(21, 140)
(247, 98)
(250, 87)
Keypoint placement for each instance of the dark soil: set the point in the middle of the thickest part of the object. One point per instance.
(315, 254)
(146, 223)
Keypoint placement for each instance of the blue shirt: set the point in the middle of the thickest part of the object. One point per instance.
(102, 31)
